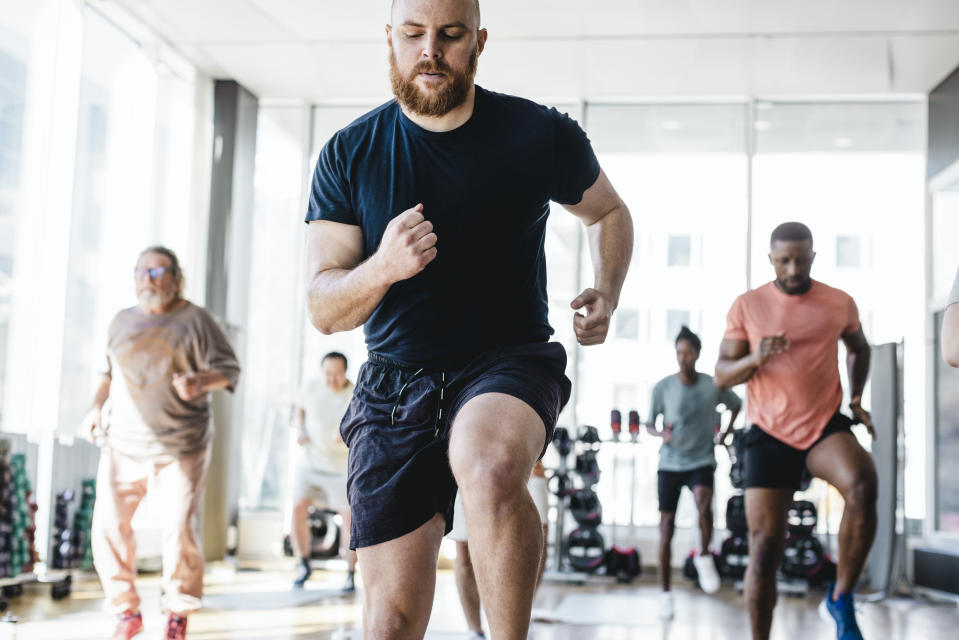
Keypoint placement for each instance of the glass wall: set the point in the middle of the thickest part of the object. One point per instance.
(96, 162)
(682, 171)
(131, 189)
(272, 365)
(14, 56)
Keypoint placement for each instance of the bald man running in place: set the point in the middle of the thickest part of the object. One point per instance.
(427, 225)
(782, 340)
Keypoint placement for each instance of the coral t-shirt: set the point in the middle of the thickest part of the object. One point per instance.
(795, 393)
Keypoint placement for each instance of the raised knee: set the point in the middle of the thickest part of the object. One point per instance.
(494, 477)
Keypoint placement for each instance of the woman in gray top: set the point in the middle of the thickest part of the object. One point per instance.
(687, 402)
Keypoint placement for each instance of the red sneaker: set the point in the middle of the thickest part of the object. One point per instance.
(130, 624)
(175, 628)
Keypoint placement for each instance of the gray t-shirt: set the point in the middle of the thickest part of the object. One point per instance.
(954, 294)
(146, 417)
(692, 411)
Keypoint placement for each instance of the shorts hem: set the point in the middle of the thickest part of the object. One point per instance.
(396, 532)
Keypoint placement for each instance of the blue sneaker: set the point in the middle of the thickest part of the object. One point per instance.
(842, 612)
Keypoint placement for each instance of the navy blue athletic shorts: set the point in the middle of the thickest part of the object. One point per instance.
(671, 484)
(398, 423)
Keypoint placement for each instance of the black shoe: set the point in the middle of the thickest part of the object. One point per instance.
(303, 573)
(350, 585)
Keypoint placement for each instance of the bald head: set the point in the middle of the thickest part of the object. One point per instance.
(474, 3)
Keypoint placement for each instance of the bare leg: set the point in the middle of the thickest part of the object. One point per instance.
(766, 515)
(300, 536)
(400, 578)
(704, 503)
(345, 542)
(466, 585)
(542, 558)
(667, 525)
(495, 440)
(842, 462)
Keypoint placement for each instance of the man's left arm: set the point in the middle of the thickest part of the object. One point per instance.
(609, 228)
(858, 355)
(220, 366)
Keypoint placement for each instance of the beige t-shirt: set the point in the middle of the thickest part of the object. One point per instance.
(324, 409)
(146, 417)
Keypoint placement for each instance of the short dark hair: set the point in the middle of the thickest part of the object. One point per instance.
(790, 232)
(335, 355)
(175, 269)
(686, 334)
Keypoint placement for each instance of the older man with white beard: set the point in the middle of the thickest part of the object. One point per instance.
(164, 357)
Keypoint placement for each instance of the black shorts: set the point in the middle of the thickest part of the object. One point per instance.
(397, 428)
(773, 464)
(671, 484)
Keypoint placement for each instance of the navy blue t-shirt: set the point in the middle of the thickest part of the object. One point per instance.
(486, 187)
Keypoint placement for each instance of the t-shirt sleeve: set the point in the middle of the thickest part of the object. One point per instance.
(954, 295)
(736, 322)
(656, 404)
(731, 399)
(852, 318)
(575, 167)
(330, 191)
(217, 354)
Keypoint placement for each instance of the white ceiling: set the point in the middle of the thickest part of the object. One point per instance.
(335, 51)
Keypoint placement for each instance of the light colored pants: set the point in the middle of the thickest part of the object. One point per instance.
(177, 484)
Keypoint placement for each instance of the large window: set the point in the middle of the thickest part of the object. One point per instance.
(131, 189)
(682, 171)
(13, 94)
(272, 366)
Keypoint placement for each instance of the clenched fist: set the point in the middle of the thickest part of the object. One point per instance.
(408, 245)
(187, 386)
(770, 346)
(592, 327)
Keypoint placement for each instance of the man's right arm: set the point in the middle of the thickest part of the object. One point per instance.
(343, 288)
(92, 425)
(737, 364)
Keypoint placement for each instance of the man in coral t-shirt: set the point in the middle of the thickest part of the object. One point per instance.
(781, 339)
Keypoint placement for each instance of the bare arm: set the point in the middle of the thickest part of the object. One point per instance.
(195, 383)
(858, 356)
(950, 335)
(609, 228)
(737, 364)
(299, 423)
(92, 426)
(343, 289)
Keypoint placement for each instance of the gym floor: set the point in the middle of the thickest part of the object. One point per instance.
(257, 603)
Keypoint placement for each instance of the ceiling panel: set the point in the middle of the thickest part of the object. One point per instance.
(335, 50)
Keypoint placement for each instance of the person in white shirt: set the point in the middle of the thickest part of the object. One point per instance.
(321, 470)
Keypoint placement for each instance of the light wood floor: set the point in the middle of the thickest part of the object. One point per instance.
(260, 605)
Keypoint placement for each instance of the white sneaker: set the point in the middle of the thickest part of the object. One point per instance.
(666, 606)
(706, 570)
